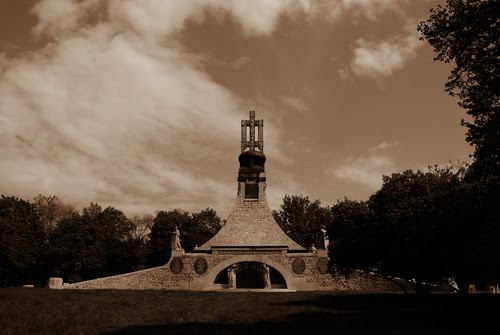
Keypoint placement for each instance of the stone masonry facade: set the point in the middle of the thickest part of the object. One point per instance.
(311, 279)
(250, 236)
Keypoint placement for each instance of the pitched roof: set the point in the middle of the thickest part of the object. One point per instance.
(251, 224)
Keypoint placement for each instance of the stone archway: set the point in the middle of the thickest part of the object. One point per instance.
(250, 275)
(219, 268)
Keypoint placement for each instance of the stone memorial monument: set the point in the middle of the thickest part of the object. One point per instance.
(250, 251)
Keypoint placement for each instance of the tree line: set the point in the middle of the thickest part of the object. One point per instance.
(423, 227)
(47, 237)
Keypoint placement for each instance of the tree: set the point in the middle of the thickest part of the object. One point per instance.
(202, 227)
(22, 242)
(52, 210)
(467, 32)
(71, 249)
(413, 212)
(93, 244)
(137, 249)
(353, 235)
(195, 229)
(114, 231)
(302, 219)
(159, 238)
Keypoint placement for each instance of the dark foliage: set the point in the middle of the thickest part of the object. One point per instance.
(195, 229)
(467, 34)
(420, 226)
(302, 219)
(52, 210)
(353, 235)
(22, 240)
(161, 232)
(91, 245)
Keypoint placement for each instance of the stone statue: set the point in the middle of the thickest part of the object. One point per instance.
(267, 276)
(326, 242)
(231, 276)
(176, 240)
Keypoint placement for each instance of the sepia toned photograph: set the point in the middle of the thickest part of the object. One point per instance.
(249, 167)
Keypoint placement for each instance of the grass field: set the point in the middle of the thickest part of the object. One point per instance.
(43, 311)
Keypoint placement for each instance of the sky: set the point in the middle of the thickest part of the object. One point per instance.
(136, 104)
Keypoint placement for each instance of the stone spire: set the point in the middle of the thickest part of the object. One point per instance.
(251, 223)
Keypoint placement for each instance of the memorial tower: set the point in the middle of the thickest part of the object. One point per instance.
(249, 252)
(251, 225)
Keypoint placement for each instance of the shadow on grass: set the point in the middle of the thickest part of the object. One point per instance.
(358, 314)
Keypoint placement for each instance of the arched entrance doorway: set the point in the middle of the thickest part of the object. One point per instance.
(249, 275)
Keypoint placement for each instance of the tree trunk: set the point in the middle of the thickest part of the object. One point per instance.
(463, 286)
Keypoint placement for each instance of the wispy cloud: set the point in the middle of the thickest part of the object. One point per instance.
(378, 59)
(367, 168)
(294, 103)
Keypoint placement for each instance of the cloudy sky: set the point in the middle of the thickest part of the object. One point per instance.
(137, 103)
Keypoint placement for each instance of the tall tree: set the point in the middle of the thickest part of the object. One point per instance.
(161, 232)
(22, 242)
(114, 233)
(203, 226)
(352, 235)
(413, 212)
(52, 210)
(302, 219)
(93, 244)
(137, 245)
(71, 252)
(195, 229)
(467, 33)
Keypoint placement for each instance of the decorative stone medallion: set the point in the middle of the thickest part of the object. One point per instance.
(322, 265)
(298, 265)
(200, 265)
(176, 266)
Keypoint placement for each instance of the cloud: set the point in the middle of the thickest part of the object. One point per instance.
(295, 103)
(60, 17)
(373, 8)
(383, 146)
(332, 10)
(105, 115)
(366, 169)
(378, 59)
(113, 110)
(154, 18)
(343, 73)
(240, 62)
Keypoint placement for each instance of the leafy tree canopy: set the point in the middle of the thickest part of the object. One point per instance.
(352, 233)
(52, 210)
(195, 229)
(467, 33)
(22, 240)
(93, 244)
(302, 219)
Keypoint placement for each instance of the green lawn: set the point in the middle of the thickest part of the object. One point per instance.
(43, 311)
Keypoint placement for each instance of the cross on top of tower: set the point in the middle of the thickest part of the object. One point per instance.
(248, 140)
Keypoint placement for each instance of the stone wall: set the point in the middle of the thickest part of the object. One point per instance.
(304, 272)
